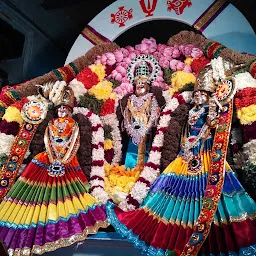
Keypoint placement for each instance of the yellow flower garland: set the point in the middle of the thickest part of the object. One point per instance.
(102, 90)
(188, 61)
(108, 144)
(119, 180)
(247, 115)
(98, 69)
(179, 79)
(12, 114)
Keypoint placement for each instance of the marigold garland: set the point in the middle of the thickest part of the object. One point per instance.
(102, 90)
(108, 107)
(99, 70)
(88, 78)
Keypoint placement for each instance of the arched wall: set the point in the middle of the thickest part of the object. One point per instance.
(217, 20)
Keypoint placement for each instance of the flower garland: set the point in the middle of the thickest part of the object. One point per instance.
(245, 103)
(97, 171)
(152, 168)
(9, 128)
(112, 121)
(169, 57)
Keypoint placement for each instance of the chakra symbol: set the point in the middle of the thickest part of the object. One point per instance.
(178, 5)
(121, 16)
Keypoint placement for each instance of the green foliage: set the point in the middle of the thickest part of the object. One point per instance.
(92, 103)
(3, 159)
(187, 87)
(107, 132)
(114, 82)
(168, 76)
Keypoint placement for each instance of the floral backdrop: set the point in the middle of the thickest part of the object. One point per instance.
(99, 89)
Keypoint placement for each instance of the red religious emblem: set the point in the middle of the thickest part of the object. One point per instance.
(149, 7)
(121, 16)
(178, 5)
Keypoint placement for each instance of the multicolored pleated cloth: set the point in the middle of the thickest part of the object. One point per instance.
(42, 213)
(164, 222)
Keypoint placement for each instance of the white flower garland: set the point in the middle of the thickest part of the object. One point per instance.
(218, 69)
(244, 80)
(249, 150)
(6, 142)
(111, 120)
(57, 91)
(97, 171)
(78, 89)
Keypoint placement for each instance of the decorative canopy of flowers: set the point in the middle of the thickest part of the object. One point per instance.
(100, 86)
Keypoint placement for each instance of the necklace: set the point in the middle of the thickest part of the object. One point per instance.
(138, 118)
(61, 126)
(191, 142)
(138, 102)
(60, 150)
(193, 115)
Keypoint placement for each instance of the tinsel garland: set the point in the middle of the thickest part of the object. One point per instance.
(97, 170)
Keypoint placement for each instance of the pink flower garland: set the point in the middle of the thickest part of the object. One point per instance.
(167, 56)
(152, 168)
(97, 171)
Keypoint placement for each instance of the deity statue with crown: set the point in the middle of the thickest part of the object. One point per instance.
(196, 206)
(49, 206)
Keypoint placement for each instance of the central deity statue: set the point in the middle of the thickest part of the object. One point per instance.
(140, 115)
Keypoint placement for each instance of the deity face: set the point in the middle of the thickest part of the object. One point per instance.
(141, 87)
(201, 97)
(63, 111)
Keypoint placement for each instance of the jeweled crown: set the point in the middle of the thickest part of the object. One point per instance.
(142, 71)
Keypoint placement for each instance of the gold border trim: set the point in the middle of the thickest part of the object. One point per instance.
(92, 36)
(63, 242)
(209, 14)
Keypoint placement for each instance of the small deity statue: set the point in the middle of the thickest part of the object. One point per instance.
(48, 207)
(140, 116)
